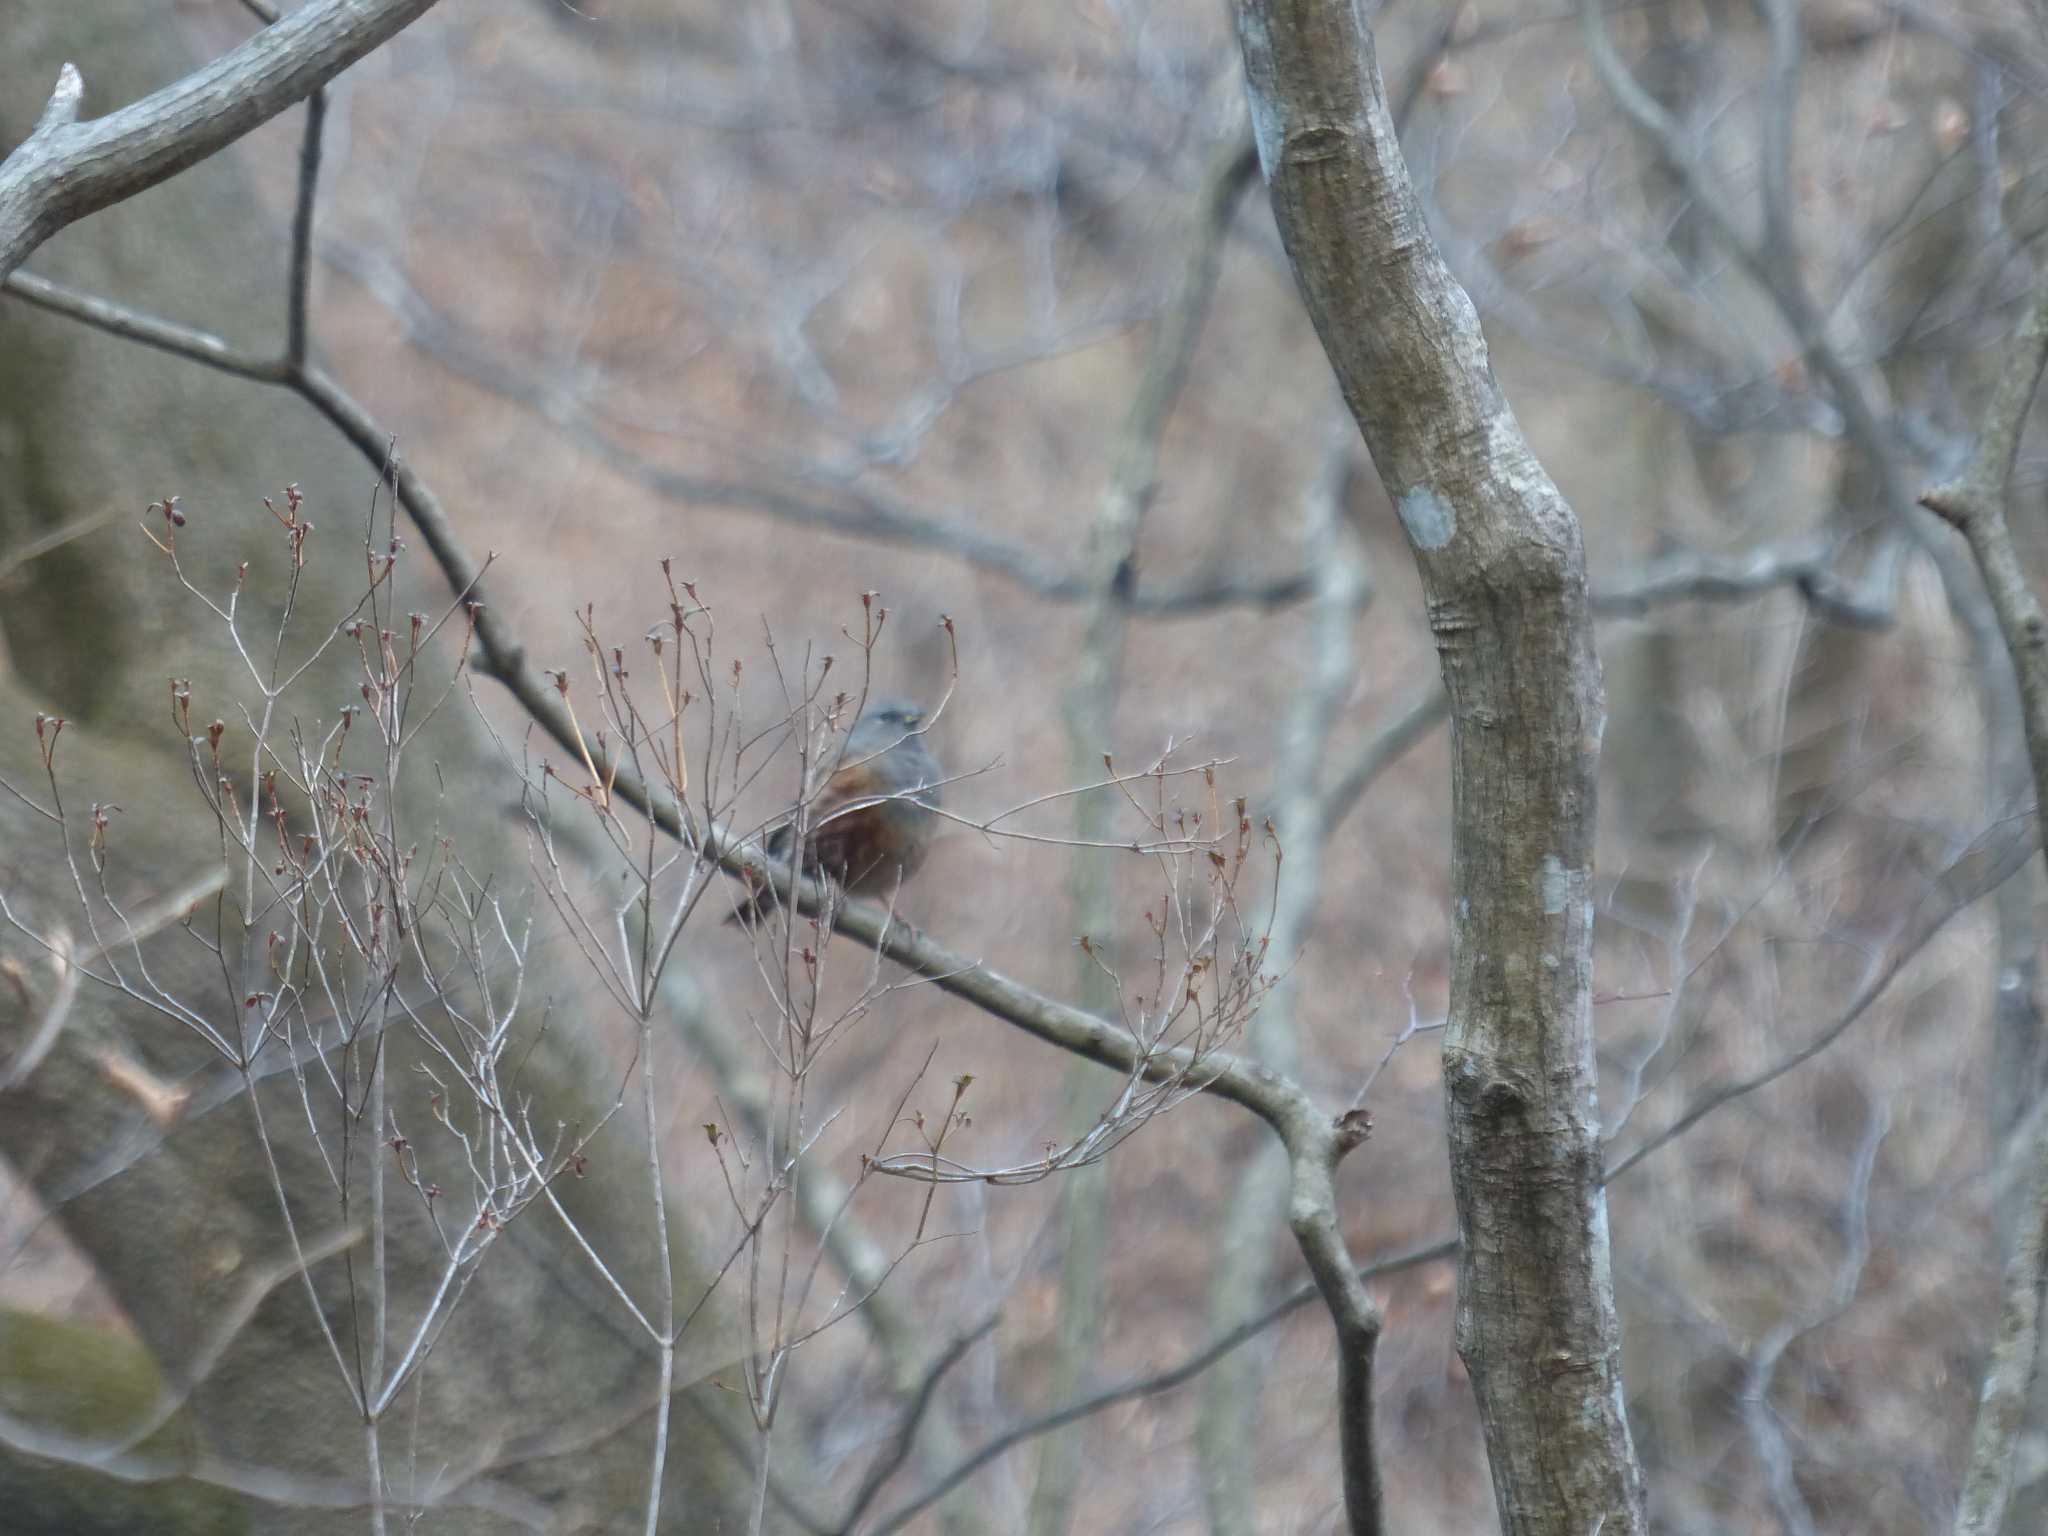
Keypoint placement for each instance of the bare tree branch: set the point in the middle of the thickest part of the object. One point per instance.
(67, 169)
(1975, 503)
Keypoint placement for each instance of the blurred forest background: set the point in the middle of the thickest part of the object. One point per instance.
(825, 297)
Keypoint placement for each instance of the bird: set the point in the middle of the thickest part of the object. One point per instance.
(871, 825)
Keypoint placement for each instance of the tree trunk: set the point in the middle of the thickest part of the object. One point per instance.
(1503, 567)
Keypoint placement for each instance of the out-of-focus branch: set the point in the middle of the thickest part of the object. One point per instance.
(1689, 577)
(859, 511)
(34, 549)
(1975, 503)
(1773, 264)
(1766, 1433)
(193, 1373)
(1967, 881)
(1675, 578)
(1305, 807)
(70, 968)
(1109, 571)
(914, 1413)
(1143, 1386)
(1670, 578)
(67, 169)
(1367, 758)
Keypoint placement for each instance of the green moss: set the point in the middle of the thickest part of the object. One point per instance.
(62, 1378)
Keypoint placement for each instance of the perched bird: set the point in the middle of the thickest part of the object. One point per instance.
(872, 823)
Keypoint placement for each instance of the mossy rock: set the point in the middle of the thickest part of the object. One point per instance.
(67, 1387)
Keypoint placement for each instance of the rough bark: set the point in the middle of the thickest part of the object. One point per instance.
(1503, 567)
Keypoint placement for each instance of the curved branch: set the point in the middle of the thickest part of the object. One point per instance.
(67, 169)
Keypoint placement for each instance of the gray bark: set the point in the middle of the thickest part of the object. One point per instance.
(1503, 568)
(65, 169)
